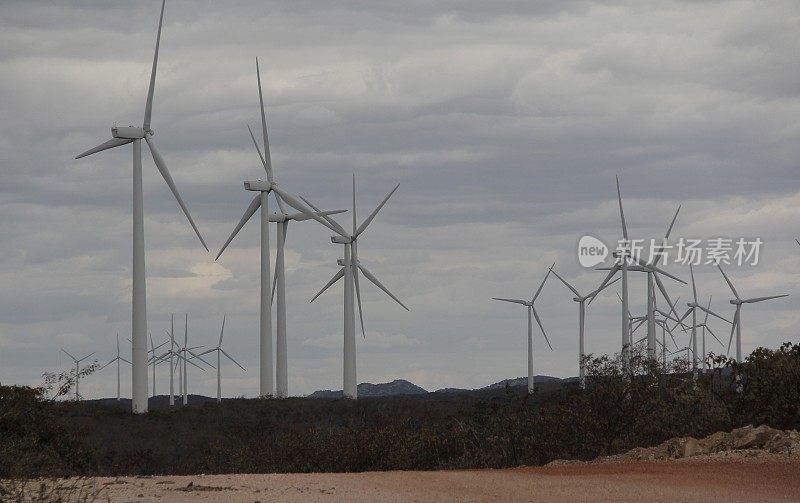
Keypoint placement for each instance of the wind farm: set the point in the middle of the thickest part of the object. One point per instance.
(621, 174)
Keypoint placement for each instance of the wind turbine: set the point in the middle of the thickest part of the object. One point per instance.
(350, 268)
(172, 354)
(219, 350)
(530, 308)
(261, 201)
(184, 360)
(77, 370)
(581, 301)
(135, 135)
(651, 292)
(117, 359)
(152, 359)
(737, 319)
(694, 305)
(704, 326)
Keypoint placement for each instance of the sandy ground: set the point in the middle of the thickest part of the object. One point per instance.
(711, 479)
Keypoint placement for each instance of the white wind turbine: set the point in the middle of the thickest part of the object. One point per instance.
(175, 358)
(153, 360)
(77, 370)
(135, 135)
(650, 268)
(737, 319)
(694, 305)
(185, 355)
(705, 327)
(530, 308)
(282, 218)
(350, 268)
(219, 350)
(118, 359)
(581, 301)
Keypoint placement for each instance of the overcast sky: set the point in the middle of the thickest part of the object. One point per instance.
(504, 123)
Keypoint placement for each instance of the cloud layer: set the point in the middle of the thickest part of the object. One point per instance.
(504, 122)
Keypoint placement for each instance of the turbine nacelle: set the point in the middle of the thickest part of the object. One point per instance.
(341, 240)
(128, 132)
(258, 185)
(735, 302)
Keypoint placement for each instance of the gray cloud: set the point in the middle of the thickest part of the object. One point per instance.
(504, 122)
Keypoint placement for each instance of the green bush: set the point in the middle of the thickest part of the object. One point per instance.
(624, 406)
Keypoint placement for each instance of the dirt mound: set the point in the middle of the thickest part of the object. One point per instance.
(741, 442)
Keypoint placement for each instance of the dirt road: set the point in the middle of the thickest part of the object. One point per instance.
(668, 481)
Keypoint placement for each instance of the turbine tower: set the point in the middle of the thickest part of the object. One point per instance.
(135, 135)
(219, 350)
(282, 219)
(350, 268)
(529, 307)
(77, 371)
(581, 301)
(117, 359)
(737, 319)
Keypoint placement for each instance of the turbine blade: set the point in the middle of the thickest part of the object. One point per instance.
(727, 280)
(268, 160)
(536, 315)
(594, 294)
(112, 143)
(761, 299)
(733, 327)
(300, 217)
(669, 230)
(608, 277)
(231, 359)
(652, 268)
(539, 290)
(515, 301)
(148, 108)
(107, 364)
(621, 212)
(377, 283)
(222, 330)
(358, 297)
(162, 167)
(712, 313)
(708, 308)
(354, 205)
(336, 277)
(565, 283)
(665, 294)
(370, 218)
(258, 149)
(323, 219)
(198, 357)
(713, 335)
(274, 284)
(694, 286)
(64, 350)
(255, 204)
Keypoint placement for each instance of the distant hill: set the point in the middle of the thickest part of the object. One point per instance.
(523, 381)
(366, 390)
